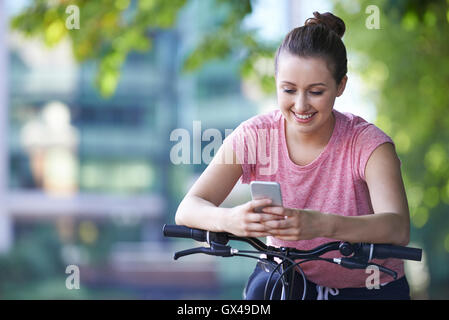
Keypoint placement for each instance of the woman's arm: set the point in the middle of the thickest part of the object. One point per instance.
(200, 207)
(390, 222)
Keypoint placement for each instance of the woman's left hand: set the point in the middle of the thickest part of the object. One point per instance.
(297, 225)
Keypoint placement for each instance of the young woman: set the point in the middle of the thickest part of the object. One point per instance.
(340, 176)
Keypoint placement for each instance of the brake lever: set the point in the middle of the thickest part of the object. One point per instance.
(352, 263)
(187, 252)
(390, 272)
(215, 249)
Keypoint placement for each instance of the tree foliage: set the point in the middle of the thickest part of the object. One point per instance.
(405, 63)
(111, 29)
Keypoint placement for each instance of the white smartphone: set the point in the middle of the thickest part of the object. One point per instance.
(266, 189)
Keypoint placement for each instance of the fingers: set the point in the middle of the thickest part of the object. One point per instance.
(279, 211)
(261, 217)
(284, 232)
(257, 234)
(251, 227)
(253, 204)
(277, 224)
(255, 230)
(288, 234)
(286, 238)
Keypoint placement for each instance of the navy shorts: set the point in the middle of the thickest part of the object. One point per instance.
(254, 290)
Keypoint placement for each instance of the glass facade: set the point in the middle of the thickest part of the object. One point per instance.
(92, 177)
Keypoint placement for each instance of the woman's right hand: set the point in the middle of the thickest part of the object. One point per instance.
(242, 221)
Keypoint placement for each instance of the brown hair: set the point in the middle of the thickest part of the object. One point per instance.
(319, 37)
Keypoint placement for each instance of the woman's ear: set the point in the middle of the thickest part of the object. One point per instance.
(342, 86)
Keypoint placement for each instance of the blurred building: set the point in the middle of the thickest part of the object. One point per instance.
(99, 170)
(89, 181)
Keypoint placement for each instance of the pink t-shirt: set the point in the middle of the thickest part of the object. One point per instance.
(333, 183)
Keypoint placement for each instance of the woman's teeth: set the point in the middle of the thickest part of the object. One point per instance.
(303, 117)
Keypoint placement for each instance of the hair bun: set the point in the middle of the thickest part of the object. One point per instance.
(329, 20)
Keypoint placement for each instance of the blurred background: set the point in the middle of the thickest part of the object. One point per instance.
(91, 92)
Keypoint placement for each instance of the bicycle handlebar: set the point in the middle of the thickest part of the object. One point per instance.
(355, 256)
(177, 231)
(184, 232)
(369, 251)
(384, 251)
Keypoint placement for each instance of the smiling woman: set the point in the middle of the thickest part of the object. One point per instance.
(340, 176)
(306, 92)
(307, 87)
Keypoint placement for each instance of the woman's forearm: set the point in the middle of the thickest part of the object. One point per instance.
(390, 228)
(195, 212)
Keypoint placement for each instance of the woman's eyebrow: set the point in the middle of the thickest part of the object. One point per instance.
(288, 82)
(310, 85)
(317, 84)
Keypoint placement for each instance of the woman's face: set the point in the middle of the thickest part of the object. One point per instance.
(305, 86)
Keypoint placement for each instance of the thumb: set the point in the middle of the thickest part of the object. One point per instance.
(258, 203)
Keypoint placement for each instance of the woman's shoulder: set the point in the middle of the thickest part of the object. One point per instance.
(355, 124)
(352, 119)
(361, 131)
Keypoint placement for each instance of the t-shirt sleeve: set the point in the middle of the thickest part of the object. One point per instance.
(244, 143)
(366, 141)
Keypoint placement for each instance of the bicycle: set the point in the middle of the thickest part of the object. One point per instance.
(355, 255)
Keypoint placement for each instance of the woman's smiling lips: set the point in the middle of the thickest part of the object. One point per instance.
(303, 120)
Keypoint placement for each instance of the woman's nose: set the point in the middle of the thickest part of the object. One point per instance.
(301, 103)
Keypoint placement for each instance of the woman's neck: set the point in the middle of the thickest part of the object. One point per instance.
(315, 139)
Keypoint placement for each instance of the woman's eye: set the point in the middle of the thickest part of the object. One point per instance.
(289, 91)
(316, 93)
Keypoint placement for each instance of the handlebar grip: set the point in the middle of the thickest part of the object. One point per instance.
(171, 230)
(383, 251)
